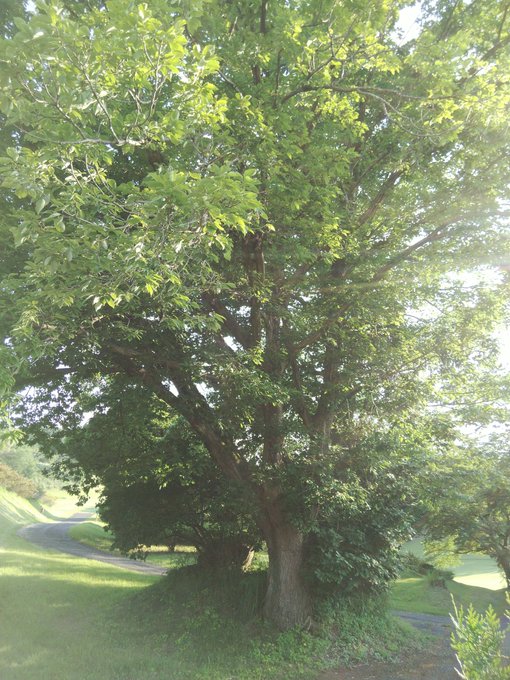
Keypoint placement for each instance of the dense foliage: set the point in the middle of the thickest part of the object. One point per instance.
(13, 481)
(260, 212)
(24, 470)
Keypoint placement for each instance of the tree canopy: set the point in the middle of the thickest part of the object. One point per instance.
(261, 212)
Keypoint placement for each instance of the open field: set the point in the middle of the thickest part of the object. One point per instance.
(472, 570)
(477, 580)
(414, 594)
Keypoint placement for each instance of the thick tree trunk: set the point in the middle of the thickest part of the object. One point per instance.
(287, 602)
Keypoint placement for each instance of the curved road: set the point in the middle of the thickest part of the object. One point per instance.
(55, 536)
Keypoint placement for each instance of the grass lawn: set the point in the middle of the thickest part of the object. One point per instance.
(416, 595)
(472, 570)
(477, 581)
(75, 619)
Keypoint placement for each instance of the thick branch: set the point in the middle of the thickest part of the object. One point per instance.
(192, 406)
(229, 321)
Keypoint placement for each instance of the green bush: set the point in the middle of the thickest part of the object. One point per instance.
(477, 640)
(438, 577)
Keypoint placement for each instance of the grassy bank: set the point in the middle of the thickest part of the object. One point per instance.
(75, 619)
(410, 593)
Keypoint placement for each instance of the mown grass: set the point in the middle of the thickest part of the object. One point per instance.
(93, 534)
(415, 594)
(477, 581)
(82, 620)
(472, 569)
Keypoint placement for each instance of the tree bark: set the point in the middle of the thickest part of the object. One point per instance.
(503, 560)
(287, 602)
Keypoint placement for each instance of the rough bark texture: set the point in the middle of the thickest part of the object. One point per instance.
(287, 602)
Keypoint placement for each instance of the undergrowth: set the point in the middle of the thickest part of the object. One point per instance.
(215, 620)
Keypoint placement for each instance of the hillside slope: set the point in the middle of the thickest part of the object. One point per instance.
(15, 510)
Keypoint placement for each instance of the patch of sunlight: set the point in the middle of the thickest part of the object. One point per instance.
(33, 659)
(109, 581)
(491, 581)
(40, 556)
(5, 649)
(18, 510)
(70, 569)
(65, 507)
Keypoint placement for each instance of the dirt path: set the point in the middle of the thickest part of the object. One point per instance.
(435, 663)
(54, 536)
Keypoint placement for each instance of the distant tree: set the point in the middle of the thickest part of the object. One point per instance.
(467, 502)
(254, 210)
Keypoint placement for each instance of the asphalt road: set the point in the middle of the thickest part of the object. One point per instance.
(55, 536)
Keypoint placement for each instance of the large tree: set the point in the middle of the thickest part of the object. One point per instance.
(253, 208)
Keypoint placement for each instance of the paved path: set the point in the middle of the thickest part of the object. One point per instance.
(55, 536)
(429, 623)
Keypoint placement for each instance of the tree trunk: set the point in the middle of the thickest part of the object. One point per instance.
(287, 602)
(503, 560)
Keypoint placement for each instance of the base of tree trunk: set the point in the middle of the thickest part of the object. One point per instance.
(287, 602)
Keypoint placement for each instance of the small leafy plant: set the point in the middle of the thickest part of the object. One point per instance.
(477, 640)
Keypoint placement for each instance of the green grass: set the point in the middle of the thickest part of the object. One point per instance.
(17, 511)
(477, 580)
(414, 594)
(473, 569)
(83, 620)
(93, 534)
(480, 571)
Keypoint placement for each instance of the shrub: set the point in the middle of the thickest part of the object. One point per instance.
(13, 481)
(29, 463)
(439, 577)
(477, 640)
